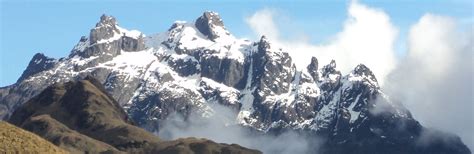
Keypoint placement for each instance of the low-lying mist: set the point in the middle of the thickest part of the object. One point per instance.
(222, 127)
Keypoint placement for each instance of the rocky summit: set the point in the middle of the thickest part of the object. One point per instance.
(194, 65)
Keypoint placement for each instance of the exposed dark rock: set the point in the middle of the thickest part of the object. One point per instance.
(329, 69)
(207, 23)
(104, 43)
(120, 86)
(37, 64)
(104, 29)
(273, 70)
(227, 71)
(186, 66)
(224, 97)
(17, 94)
(132, 44)
(313, 69)
(151, 108)
(363, 70)
(332, 82)
(388, 134)
(173, 42)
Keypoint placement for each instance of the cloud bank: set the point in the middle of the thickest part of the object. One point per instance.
(435, 79)
(222, 127)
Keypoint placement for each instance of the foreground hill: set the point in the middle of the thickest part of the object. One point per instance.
(17, 140)
(81, 117)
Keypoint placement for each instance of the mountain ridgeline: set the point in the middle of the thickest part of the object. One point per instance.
(195, 65)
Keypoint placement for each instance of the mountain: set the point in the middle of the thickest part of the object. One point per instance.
(194, 65)
(80, 116)
(17, 140)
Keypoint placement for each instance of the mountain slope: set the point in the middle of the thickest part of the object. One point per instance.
(65, 138)
(16, 140)
(194, 65)
(81, 117)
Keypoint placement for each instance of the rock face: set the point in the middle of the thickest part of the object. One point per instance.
(81, 117)
(313, 69)
(223, 70)
(210, 24)
(37, 64)
(106, 41)
(105, 29)
(193, 66)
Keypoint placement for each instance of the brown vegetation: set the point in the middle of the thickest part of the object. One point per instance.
(17, 140)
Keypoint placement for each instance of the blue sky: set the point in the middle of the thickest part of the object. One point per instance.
(54, 27)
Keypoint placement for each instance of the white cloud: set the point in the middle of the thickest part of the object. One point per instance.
(432, 41)
(367, 37)
(435, 80)
(222, 128)
(262, 23)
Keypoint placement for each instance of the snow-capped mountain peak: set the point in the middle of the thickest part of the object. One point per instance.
(192, 66)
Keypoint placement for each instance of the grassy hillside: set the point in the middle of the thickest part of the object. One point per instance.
(17, 140)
